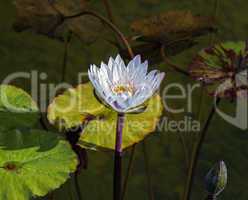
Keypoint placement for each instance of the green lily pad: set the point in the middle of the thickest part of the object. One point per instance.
(74, 106)
(99, 133)
(32, 163)
(17, 108)
(223, 67)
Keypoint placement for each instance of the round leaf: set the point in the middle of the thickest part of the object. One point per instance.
(101, 132)
(17, 109)
(73, 107)
(32, 163)
(77, 106)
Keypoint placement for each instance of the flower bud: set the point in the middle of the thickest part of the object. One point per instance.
(216, 179)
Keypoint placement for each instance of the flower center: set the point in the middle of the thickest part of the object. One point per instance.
(123, 89)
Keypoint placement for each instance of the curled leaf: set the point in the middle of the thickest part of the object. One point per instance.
(223, 69)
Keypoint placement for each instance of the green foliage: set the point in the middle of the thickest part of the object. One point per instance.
(32, 163)
(28, 52)
(17, 108)
(78, 106)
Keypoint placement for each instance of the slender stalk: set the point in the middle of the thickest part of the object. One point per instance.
(148, 172)
(173, 66)
(109, 11)
(118, 158)
(183, 143)
(211, 197)
(77, 187)
(197, 151)
(212, 37)
(129, 170)
(107, 22)
(65, 58)
(215, 14)
(43, 124)
(51, 196)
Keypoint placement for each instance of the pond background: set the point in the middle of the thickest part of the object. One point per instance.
(27, 51)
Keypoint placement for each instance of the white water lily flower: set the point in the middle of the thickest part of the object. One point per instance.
(123, 87)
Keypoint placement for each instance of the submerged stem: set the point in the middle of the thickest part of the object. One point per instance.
(197, 151)
(129, 169)
(173, 66)
(65, 58)
(211, 197)
(118, 158)
(107, 22)
(77, 187)
(108, 10)
(148, 172)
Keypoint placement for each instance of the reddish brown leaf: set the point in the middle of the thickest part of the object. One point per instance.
(47, 17)
(172, 26)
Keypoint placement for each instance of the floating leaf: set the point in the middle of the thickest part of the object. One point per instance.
(32, 163)
(152, 51)
(175, 31)
(172, 26)
(47, 18)
(99, 131)
(223, 68)
(216, 179)
(17, 108)
(74, 107)
(38, 16)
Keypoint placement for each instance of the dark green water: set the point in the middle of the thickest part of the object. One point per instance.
(27, 51)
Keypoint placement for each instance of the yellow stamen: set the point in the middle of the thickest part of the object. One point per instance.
(120, 89)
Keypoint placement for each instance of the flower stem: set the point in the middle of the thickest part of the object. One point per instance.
(107, 22)
(148, 172)
(65, 57)
(129, 169)
(197, 151)
(118, 158)
(77, 187)
(108, 10)
(211, 197)
(173, 66)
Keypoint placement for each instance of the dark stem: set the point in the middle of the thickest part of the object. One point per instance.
(118, 158)
(107, 22)
(183, 142)
(211, 197)
(42, 122)
(109, 11)
(148, 172)
(129, 170)
(173, 66)
(197, 151)
(51, 196)
(77, 187)
(65, 58)
(215, 14)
